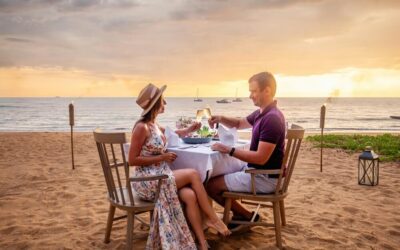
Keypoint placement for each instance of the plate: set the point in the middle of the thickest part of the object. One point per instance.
(196, 140)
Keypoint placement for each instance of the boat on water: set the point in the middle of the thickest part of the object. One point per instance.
(395, 117)
(197, 99)
(237, 99)
(223, 101)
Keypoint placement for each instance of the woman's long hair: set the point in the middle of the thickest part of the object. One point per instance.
(151, 115)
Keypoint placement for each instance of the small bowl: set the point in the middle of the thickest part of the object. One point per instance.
(196, 140)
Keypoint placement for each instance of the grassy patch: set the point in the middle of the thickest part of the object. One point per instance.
(387, 146)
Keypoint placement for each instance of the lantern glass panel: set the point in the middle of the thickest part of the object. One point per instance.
(368, 171)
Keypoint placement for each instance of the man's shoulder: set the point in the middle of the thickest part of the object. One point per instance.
(274, 115)
(252, 116)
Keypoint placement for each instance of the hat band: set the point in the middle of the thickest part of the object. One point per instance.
(146, 103)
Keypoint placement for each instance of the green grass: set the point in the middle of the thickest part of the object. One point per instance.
(387, 146)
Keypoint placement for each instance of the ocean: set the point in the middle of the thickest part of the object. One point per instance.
(51, 114)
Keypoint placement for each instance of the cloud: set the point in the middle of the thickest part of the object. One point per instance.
(18, 40)
(82, 6)
(200, 41)
(24, 6)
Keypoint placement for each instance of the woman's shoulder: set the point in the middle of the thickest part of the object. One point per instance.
(141, 127)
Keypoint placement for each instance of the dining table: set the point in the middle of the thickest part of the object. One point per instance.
(202, 158)
(207, 162)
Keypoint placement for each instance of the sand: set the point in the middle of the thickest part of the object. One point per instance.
(46, 205)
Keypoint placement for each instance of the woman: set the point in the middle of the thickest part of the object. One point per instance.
(169, 229)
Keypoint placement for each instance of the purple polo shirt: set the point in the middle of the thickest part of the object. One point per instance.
(268, 126)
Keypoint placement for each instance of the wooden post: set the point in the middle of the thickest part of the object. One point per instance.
(322, 125)
(72, 123)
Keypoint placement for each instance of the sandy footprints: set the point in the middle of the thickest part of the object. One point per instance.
(370, 237)
(327, 240)
(351, 210)
(83, 221)
(394, 232)
(8, 230)
(66, 195)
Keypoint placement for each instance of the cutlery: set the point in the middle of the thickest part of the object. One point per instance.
(191, 146)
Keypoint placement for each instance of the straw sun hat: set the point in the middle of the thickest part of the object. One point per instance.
(149, 96)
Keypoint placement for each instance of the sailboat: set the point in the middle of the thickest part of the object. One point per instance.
(223, 101)
(197, 99)
(237, 99)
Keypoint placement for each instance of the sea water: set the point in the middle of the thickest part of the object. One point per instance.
(51, 114)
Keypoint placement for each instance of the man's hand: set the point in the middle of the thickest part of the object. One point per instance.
(213, 120)
(169, 157)
(221, 148)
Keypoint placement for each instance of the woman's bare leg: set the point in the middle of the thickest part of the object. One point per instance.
(185, 177)
(192, 212)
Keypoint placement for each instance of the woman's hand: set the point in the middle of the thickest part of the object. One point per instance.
(185, 131)
(194, 127)
(221, 148)
(169, 157)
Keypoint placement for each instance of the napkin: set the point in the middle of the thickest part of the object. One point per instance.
(227, 136)
(172, 137)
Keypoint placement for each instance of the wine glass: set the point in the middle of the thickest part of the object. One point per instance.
(199, 115)
(207, 112)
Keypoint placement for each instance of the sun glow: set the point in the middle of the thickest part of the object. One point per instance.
(348, 82)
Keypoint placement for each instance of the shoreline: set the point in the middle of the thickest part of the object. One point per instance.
(339, 132)
(242, 134)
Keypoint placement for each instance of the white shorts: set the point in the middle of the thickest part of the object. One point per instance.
(241, 182)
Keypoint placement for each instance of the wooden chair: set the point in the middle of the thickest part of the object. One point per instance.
(294, 137)
(120, 192)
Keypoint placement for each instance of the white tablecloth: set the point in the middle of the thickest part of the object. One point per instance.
(207, 162)
(200, 157)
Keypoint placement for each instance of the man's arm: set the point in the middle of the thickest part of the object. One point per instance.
(230, 122)
(259, 157)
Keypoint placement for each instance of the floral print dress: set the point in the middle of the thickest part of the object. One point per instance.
(168, 229)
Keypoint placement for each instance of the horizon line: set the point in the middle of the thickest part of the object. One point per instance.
(194, 97)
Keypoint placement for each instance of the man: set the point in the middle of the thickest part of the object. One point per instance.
(266, 148)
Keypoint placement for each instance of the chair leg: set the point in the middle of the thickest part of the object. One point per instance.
(110, 220)
(283, 215)
(277, 223)
(129, 231)
(228, 204)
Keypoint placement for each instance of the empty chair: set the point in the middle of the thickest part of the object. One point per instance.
(116, 173)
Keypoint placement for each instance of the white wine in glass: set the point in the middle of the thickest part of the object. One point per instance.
(199, 115)
(207, 113)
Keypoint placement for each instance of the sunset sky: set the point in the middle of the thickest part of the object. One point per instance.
(114, 48)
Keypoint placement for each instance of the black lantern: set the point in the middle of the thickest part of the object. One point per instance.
(368, 168)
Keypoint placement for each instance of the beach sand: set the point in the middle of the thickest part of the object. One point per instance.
(46, 205)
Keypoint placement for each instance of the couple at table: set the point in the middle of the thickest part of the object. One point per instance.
(169, 228)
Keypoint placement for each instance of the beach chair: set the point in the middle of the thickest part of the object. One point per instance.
(120, 192)
(274, 200)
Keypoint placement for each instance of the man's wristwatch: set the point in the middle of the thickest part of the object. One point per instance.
(232, 151)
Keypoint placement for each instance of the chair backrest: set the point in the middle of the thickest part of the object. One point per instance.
(294, 137)
(115, 166)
